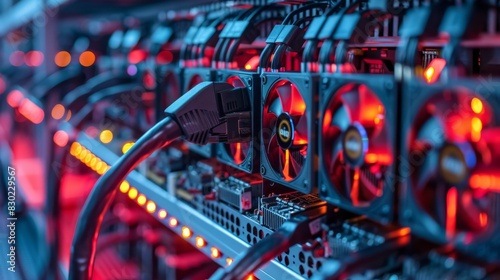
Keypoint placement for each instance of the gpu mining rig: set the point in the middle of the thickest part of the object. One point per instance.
(250, 139)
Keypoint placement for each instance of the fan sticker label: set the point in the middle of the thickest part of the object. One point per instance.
(284, 131)
(452, 164)
(353, 144)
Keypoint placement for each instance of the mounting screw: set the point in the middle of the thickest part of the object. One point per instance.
(306, 83)
(249, 80)
(262, 170)
(264, 79)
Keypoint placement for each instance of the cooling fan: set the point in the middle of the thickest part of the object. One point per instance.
(357, 140)
(356, 148)
(453, 191)
(288, 140)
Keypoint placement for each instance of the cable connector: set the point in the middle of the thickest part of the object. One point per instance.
(213, 112)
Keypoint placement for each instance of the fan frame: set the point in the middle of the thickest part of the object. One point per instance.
(384, 87)
(208, 75)
(252, 82)
(161, 73)
(307, 85)
(415, 95)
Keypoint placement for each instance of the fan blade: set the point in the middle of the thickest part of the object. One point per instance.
(291, 99)
(451, 211)
(336, 152)
(273, 154)
(490, 134)
(427, 168)
(297, 161)
(371, 111)
(285, 164)
(432, 132)
(341, 118)
(276, 107)
(354, 194)
(298, 140)
(379, 151)
(471, 213)
(300, 124)
(351, 101)
(237, 154)
(370, 183)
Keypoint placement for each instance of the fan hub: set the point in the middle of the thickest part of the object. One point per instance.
(285, 129)
(455, 162)
(355, 144)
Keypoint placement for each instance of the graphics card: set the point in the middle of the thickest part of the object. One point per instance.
(356, 143)
(244, 156)
(449, 165)
(288, 132)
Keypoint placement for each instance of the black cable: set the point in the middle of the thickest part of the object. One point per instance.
(79, 95)
(223, 115)
(265, 55)
(84, 244)
(59, 155)
(227, 42)
(360, 261)
(216, 23)
(280, 51)
(312, 45)
(327, 49)
(297, 230)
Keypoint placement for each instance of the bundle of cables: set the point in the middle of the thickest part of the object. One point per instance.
(208, 113)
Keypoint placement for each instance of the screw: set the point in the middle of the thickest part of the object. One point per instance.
(262, 170)
(264, 79)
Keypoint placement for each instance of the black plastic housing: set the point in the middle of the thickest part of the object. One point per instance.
(384, 87)
(307, 85)
(188, 76)
(416, 93)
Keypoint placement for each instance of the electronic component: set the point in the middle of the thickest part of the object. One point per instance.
(279, 208)
(241, 192)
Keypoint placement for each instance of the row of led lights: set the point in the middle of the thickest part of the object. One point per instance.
(61, 59)
(88, 158)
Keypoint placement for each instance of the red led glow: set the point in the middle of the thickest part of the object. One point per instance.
(137, 56)
(34, 58)
(434, 69)
(31, 111)
(14, 98)
(148, 80)
(61, 138)
(486, 182)
(451, 211)
(164, 57)
(2, 85)
(17, 58)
